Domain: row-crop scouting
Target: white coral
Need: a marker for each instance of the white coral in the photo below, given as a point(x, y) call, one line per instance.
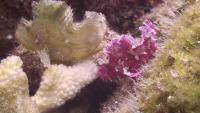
point(14, 94)
point(53, 34)
point(61, 83)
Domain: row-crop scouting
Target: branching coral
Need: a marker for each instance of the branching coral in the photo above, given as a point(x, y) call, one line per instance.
point(61, 83)
point(53, 30)
point(52, 33)
point(14, 94)
point(173, 79)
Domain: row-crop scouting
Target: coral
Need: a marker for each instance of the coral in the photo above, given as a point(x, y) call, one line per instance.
point(126, 55)
point(90, 99)
point(54, 36)
point(14, 94)
point(61, 83)
point(53, 30)
point(172, 80)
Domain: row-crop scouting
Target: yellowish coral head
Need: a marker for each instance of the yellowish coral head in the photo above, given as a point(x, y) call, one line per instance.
point(53, 30)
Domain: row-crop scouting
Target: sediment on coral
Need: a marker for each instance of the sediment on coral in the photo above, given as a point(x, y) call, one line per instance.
point(171, 84)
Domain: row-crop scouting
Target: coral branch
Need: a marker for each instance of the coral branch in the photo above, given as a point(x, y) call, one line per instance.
point(14, 94)
point(61, 83)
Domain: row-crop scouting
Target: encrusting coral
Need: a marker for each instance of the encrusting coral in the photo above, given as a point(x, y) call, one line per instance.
point(172, 82)
point(14, 94)
point(61, 83)
point(54, 31)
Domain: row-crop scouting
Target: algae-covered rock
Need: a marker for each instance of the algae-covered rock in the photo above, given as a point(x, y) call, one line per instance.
point(172, 80)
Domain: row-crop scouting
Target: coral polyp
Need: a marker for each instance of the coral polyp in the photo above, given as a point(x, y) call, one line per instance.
point(54, 31)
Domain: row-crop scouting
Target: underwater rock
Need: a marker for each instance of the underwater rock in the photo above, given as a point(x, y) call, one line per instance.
point(172, 80)
point(120, 14)
point(11, 12)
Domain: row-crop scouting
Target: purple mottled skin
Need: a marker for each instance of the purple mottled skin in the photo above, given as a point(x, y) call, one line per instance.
point(125, 55)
